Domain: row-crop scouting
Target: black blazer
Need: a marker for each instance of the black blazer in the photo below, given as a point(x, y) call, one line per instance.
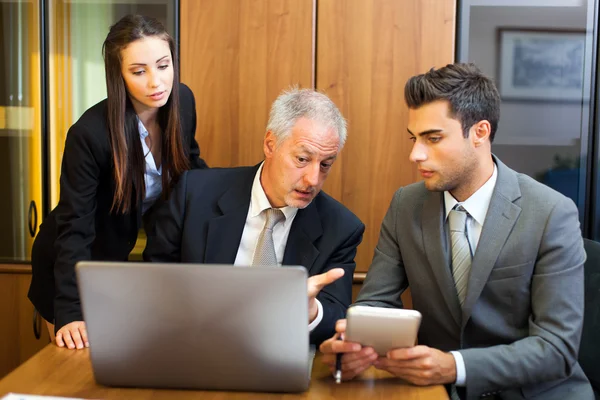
point(81, 227)
point(205, 216)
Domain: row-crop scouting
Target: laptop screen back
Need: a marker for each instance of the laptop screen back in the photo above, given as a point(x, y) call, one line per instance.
point(196, 326)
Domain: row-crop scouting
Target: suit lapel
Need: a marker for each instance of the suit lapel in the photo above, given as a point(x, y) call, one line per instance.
point(225, 231)
point(434, 241)
point(500, 219)
point(305, 229)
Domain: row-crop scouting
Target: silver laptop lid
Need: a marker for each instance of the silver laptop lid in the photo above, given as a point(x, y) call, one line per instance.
point(196, 326)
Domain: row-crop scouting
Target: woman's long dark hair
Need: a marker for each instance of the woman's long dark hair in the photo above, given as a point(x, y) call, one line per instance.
point(124, 136)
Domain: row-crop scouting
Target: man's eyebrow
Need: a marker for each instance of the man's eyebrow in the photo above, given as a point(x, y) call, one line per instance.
point(427, 132)
point(304, 149)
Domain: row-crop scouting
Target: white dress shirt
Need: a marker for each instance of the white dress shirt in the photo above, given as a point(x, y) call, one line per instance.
point(477, 207)
point(152, 175)
point(255, 222)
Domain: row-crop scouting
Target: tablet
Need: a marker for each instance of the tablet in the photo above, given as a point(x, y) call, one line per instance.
point(382, 328)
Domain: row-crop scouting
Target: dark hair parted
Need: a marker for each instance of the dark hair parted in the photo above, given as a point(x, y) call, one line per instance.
point(124, 136)
point(472, 96)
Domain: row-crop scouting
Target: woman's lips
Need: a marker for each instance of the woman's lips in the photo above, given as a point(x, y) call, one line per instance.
point(157, 96)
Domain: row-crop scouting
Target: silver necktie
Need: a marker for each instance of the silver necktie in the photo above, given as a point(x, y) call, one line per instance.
point(264, 254)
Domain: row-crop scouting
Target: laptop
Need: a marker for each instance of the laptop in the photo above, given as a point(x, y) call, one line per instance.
point(194, 326)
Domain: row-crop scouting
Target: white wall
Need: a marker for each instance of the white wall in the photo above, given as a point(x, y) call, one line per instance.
point(526, 123)
point(530, 134)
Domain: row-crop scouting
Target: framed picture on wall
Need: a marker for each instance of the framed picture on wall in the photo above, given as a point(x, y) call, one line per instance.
point(540, 64)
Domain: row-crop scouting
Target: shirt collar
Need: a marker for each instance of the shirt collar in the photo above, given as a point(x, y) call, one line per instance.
point(477, 205)
point(142, 129)
point(259, 201)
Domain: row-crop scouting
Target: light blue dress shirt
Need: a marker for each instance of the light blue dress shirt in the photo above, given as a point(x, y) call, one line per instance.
point(152, 175)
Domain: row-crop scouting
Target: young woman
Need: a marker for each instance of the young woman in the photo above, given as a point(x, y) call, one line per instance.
point(122, 155)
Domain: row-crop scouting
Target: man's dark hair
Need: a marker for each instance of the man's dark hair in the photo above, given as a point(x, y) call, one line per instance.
point(473, 97)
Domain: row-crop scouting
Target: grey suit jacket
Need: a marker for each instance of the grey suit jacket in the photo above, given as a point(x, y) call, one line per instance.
point(520, 326)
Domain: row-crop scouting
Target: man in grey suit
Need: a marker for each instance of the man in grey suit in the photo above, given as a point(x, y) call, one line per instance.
point(493, 258)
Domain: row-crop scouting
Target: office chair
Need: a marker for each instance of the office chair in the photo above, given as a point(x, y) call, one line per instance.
point(589, 351)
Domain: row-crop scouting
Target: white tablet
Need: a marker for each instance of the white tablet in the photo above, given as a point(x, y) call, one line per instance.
point(382, 328)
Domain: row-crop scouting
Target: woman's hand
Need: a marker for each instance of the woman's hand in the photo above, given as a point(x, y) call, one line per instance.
point(73, 335)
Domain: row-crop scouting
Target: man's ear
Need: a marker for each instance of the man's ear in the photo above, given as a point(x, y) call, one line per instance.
point(481, 132)
point(269, 144)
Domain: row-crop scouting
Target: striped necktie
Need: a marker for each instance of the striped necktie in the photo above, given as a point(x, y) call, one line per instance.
point(461, 250)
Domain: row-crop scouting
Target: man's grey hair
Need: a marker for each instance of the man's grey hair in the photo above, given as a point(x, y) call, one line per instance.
point(295, 103)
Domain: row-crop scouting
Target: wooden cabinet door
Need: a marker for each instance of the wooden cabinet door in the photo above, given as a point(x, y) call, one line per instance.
point(237, 56)
point(366, 50)
point(17, 340)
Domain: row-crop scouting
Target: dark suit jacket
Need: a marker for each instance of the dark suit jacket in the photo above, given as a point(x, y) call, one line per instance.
point(519, 328)
point(81, 227)
point(204, 219)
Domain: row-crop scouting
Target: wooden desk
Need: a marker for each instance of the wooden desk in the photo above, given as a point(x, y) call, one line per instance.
point(62, 372)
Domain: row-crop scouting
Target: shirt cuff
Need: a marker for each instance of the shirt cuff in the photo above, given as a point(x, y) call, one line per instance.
point(319, 317)
point(461, 372)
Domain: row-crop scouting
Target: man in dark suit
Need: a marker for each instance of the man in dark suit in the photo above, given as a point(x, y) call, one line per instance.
point(493, 258)
point(274, 213)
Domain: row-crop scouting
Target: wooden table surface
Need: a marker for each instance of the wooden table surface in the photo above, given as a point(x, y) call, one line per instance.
point(61, 372)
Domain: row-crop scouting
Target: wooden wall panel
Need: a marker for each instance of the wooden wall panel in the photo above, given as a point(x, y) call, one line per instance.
point(366, 50)
point(17, 341)
point(237, 56)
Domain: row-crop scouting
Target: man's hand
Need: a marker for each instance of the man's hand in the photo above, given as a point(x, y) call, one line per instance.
point(420, 365)
point(73, 335)
point(315, 284)
point(356, 358)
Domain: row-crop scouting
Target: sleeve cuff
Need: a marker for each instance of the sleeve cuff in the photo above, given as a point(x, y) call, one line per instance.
point(319, 317)
point(461, 373)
